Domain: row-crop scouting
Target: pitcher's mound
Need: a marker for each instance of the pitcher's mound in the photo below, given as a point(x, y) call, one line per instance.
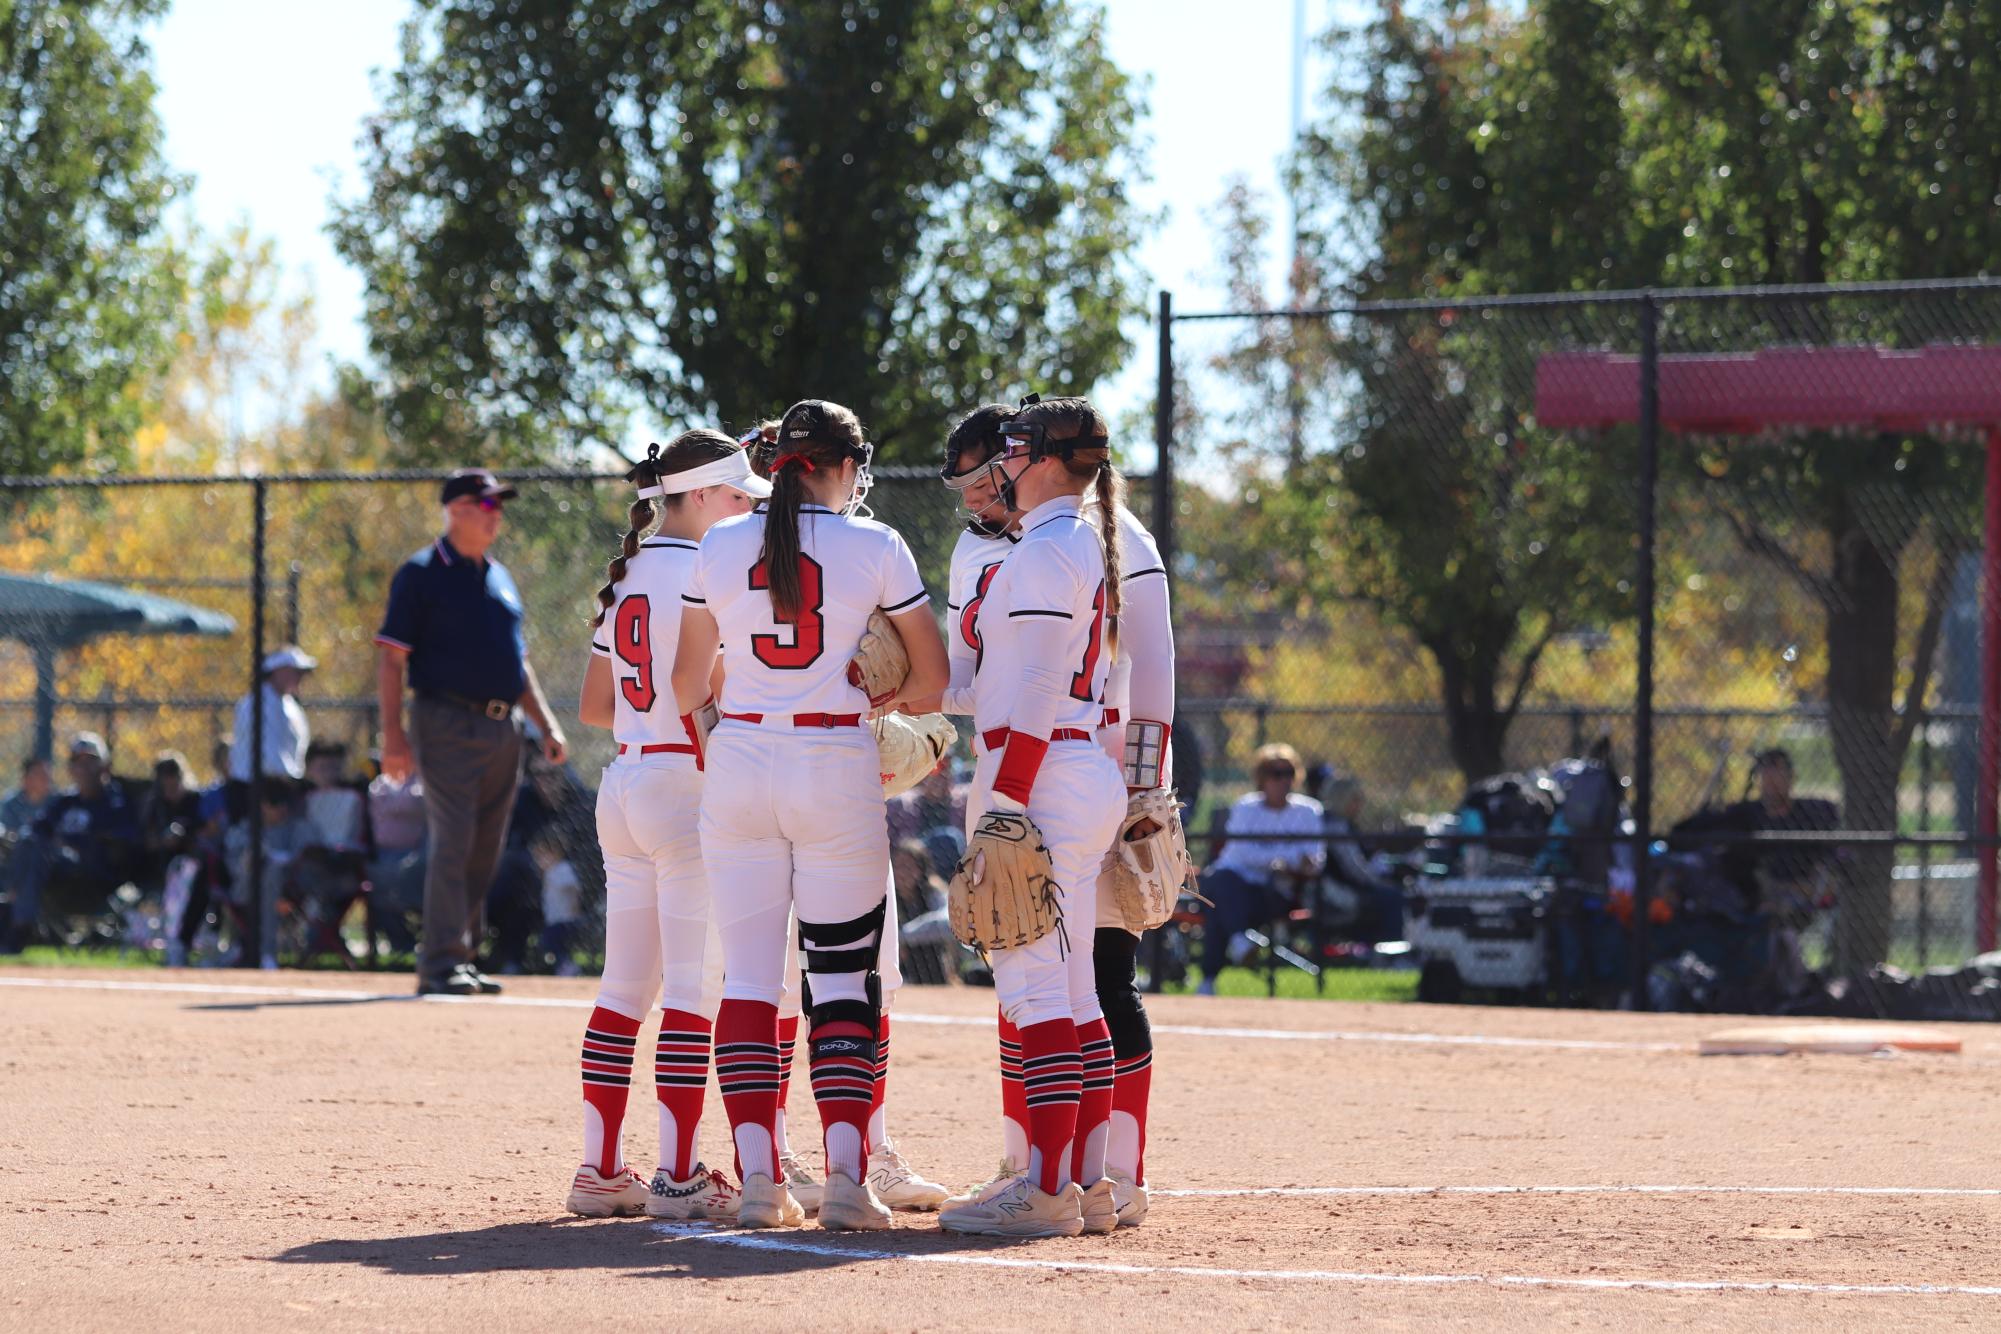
point(1828, 1039)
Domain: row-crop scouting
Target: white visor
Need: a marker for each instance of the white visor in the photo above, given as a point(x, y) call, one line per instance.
point(733, 471)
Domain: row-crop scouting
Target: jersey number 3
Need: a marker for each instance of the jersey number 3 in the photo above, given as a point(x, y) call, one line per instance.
point(632, 640)
point(808, 629)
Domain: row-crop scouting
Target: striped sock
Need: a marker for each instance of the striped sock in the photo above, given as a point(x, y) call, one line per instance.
point(1094, 1109)
point(1052, 1078)
point(841, 1061)
point(788, 1039)
point(609, 1041)
point(878, 1121)
point(1127, 1147)
point(680, 1082)
point(1014, 1103)
point(747, 1073)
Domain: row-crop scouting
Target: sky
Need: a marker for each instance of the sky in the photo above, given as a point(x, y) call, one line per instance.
point(263, 102)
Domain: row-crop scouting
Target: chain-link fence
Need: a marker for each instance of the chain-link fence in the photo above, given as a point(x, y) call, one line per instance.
point(1726, 547)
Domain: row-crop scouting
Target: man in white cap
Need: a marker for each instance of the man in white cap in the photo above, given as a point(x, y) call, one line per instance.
point(286, 734)
point(84, 845)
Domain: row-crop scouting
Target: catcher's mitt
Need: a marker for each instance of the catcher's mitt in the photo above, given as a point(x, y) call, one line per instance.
point(911, 748)
point(1148, 867)
point(1003, 895)
point(880, 663)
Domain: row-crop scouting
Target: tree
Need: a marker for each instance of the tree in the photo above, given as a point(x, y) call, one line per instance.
point(88, 284)
point(1468, 152)
point(583, 213)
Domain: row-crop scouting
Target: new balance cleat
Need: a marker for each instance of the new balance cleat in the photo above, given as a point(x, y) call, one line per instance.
point(1003, 1174)
point(805, 1187)
point(620, 1194)
point(897, 1186)
point(1131, 1197)
point(850, 1206)
point(1018, 1209)
point(706, 1194)
point(1100, 1209)
point(766, 1203)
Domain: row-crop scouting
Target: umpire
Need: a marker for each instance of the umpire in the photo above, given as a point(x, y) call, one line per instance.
point(454, 623)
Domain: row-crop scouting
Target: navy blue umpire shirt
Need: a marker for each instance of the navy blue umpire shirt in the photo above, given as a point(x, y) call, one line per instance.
point(460, 622)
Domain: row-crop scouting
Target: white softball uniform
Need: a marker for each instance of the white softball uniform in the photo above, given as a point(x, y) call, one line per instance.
point(1037, 691)
point(792, 809)
point(658, 929)
point(1140, 690)
point(975, 560)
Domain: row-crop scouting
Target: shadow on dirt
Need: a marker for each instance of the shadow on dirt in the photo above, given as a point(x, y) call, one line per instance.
point(301, 1002)
point(682, 1250)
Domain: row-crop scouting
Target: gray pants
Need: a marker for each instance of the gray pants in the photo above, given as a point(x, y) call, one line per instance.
point(471, 767)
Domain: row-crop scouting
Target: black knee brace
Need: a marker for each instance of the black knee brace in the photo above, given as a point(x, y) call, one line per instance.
point(1113, 951)
point(843, 947)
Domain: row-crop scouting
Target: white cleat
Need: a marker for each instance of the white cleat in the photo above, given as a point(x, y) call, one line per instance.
point(1019, 1208)
point(897, 1186)
point(1131, 1197)
point(620, 1194)
point(805, 1187)
point(766, 1203)
point(1100, 1210)
point(707, 1194)
point(1003, 1174)
point(850, 1206)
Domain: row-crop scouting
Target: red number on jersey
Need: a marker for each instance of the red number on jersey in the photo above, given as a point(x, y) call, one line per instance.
point(808, 630)
point(1080, 684)
point(632, 640)
point(969, 618)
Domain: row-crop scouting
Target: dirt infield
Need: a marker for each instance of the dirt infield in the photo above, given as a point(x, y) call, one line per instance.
point(247, 1152)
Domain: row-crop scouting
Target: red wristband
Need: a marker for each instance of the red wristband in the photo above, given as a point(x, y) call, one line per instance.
point(1019, 763)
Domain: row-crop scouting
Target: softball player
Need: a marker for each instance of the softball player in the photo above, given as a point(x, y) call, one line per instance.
point(892, 1179)
point(792, 814)
point(1043, 630)
point(657, 898)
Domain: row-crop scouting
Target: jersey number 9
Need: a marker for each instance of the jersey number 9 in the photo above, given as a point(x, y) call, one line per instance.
point(632, 640)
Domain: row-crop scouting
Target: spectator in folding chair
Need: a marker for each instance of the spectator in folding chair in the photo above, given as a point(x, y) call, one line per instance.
point(333, 865)
point(1269, 833)
point(1364, 906)
point(84, 845)
point(24, 805)
point(285, 837)
point(397, 829)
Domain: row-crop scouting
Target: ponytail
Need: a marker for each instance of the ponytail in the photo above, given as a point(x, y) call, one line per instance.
point(639, 518)
point(813, 434)
point(1111, 494)
point(781, 540)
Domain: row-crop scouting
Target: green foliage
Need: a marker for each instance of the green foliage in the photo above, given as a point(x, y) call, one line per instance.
point(588, 213)
point(87, 283)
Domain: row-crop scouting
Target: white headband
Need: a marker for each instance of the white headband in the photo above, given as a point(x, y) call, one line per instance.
point(731, 470)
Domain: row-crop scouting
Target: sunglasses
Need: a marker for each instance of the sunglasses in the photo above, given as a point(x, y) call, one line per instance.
point(491, 504)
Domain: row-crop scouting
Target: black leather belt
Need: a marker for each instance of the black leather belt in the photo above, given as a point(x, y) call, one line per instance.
point(497, 709)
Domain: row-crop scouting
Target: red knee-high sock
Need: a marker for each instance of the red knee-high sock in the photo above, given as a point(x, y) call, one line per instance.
point(1094, 1108)
point(1129, 1093)
point(1014, 1102)
point(841, 1062)
point(878, 1130)
point(680, 1081)
point(609, 1041)
point(788, 1039)
point(1052, 1077)
point(747, 1069)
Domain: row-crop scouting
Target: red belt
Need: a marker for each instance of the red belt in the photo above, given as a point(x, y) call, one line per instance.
point(804, 719)
point(997, 738)
point(662, 749)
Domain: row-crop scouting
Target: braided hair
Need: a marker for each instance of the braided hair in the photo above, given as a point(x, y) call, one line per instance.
point(690, 449)
point(813, 434)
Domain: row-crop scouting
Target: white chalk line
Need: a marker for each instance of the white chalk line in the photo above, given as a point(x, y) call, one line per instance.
point(1248, 1192)
point(764, 1242)
point(901, 1016)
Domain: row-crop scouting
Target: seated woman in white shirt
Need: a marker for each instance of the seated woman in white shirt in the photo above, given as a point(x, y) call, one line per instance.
point(1238, 883)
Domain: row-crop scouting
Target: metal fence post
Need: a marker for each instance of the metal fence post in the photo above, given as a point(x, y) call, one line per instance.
point(267, 898)
point(1643, 691)
point(1990, 701)
point(1163, 439)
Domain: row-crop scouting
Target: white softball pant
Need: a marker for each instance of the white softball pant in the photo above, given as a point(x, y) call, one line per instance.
point(658, 933)
point(792, 820)
point(1078, 802)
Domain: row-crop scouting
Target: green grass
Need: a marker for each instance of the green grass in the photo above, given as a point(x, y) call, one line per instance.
point(1342, 984)
point(61, 956)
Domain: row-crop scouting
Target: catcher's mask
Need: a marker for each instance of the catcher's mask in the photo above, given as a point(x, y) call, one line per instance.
point(1030, 440)
point(991, 520)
